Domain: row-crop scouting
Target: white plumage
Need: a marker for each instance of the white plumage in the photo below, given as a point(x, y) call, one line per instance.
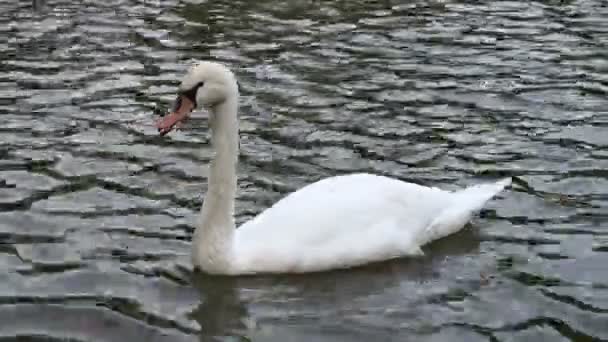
point(337, 222)
point(352, 220)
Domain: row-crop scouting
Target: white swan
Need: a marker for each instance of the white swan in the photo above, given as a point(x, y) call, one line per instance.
point(337, 222)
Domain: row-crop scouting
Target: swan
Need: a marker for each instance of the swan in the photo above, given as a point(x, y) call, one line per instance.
point(338, 222)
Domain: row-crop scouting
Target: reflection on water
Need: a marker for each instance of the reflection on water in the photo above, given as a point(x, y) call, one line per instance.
point(97, 211)
point(319, 305)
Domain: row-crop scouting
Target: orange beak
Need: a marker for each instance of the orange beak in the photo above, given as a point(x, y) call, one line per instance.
point(181, 110)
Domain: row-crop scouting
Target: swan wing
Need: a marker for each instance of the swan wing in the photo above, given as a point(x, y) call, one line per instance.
point(349, 220)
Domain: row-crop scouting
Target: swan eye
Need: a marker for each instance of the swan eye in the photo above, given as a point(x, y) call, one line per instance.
point(191, 93)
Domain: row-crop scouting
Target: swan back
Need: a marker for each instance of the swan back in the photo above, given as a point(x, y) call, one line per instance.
point(354, 219)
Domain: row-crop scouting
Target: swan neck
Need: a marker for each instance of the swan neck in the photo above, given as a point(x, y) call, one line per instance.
point(213, 239)
point(225, 142)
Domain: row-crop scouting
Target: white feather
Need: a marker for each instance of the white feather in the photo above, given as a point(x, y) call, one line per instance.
point(337, 222)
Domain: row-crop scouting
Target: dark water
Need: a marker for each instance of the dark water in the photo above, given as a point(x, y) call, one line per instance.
point(97, 211)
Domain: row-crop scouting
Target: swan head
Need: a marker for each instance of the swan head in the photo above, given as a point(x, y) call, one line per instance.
point(205, 85)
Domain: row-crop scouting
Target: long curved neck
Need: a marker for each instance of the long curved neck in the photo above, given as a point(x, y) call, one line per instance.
point(222, 176)
point(214, 236)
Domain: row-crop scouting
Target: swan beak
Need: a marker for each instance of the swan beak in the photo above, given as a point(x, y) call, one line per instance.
point(181, 110)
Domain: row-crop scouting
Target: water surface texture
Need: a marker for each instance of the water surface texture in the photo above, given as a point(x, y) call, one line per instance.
point(97, 211)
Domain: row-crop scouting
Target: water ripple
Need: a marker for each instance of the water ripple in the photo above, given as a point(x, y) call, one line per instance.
point(97, 212)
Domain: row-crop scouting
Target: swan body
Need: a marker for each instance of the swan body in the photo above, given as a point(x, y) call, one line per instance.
point(351, 220)
point(337, 222)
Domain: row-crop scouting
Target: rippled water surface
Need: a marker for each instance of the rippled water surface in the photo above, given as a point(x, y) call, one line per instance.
point(97, 211)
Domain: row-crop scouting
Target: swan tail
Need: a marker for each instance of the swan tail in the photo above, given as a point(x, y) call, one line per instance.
point(476, 196)
point(465, 204)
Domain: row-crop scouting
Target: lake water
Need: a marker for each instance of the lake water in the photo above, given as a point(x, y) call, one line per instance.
point(97, 211)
